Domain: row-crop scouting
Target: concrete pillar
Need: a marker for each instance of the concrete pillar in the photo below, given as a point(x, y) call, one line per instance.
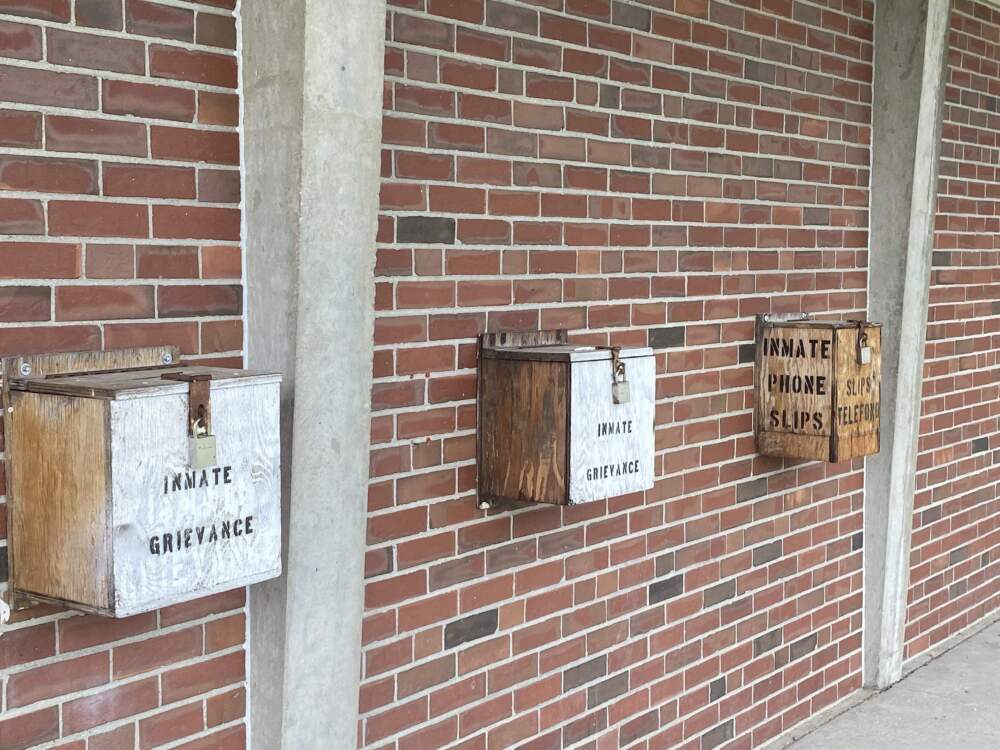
point(910, 57)
point(312, 127)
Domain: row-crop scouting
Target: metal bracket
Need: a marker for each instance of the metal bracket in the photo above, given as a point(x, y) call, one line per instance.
point(55, 365)
point(199, 400)
point(783, 317)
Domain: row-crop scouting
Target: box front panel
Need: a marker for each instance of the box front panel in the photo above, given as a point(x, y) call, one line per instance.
point(794, 391)
point(181, 533)
point(611, 445)
point(859, 393)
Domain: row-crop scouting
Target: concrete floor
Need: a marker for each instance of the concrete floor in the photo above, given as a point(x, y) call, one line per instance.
point(951, 703)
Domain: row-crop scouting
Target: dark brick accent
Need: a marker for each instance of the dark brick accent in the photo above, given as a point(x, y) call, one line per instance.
point(471, 628)
point(750, 490)
point(623, 14)
point(748, 353)
point(717, 689)
point(940, 258)
point(980, 444)
point(802, 646)
point(930, 515)
point(664, 338)
point(4, 568)
point(611, 96)
point(767, 552)
point(715, 737)
point(720, 593)
point(581, 728)
point(957, 555)
point(756, 70)
point(958, 589)
point(857, 541)
point(434, 230)
point(561, 542)
point(767, 642)
point(604, 691)
point(510, 555)
point(584, 673)
point(639, 726)
point(666, 589)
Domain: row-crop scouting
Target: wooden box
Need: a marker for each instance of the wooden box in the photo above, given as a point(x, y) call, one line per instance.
point(818, 389)
point(550, 430)
point(108, 514)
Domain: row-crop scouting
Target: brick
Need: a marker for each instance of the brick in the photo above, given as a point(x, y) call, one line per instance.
point(104, 302)
point(20, 129)
point(29, 730)
point(166, 261)
point(157, 20)
point(470, 628)
point(221, 262)
point(148, 100)
point(216, 31)
point(426, 230)
point(39, 260)
point(187, 301)
point(37, 174)
point(60, 678)
point(26, 644)
point(196, 222)
point(94, 136)
point(222, 336)
point(225, 707)
point(194, 66)
point(667, 588)
point(148, 181)
point(109, 705)
point(110, 261)
point(219, 186)
point(232, 738)
point(94, 219)
point(38, 339)
point(185, 682)
point(25, 303)
point(146, 655)
point(225, 633)
point(99, 14)
point(208, 605)
point(19, 216)
point(170, 726)
point(96, 52)
point(56, 89)
point(122, 738)
point(187, 144)
point(21, 41)
point(47, 10)
point(127, 335)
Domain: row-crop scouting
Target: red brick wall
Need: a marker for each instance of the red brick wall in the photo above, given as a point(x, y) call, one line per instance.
point(640, 172)
point(120, 226)
point(955, 560)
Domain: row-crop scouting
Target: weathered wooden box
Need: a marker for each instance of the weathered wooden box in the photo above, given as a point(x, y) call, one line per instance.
point(818, 389)
point(109, 514)
point(550, 430)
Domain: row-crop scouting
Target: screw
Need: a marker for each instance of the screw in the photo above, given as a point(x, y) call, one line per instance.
point(25, 369)
point(167, 358)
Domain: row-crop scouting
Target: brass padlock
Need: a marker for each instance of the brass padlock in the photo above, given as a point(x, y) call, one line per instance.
point(201, 448)
point(620, 391)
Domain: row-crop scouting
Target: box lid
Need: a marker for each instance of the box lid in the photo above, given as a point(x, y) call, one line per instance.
point(832, 324)
point(564, 353)
point(144, 383)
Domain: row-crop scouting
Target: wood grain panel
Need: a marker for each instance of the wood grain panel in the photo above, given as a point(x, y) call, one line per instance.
point(60, 542)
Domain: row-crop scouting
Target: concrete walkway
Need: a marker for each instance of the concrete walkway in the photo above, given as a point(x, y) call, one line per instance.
point(951, 703)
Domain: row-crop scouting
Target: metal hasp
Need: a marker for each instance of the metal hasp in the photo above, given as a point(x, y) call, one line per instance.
point(203, 449)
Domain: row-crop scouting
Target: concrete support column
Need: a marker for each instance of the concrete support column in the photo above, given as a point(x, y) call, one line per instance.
point(910, 56)
point(312, 130)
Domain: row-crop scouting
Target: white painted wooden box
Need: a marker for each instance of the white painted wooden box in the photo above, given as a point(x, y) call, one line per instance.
point(111, 517)
point(550, 429)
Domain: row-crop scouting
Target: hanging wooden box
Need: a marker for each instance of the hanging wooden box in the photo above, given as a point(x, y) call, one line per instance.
point(818, 389)
point(109, 515)
point(549, 430)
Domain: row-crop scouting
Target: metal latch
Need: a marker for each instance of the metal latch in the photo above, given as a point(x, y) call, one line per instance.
point(864, 352)
point(620, 391)
point(201, 441)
